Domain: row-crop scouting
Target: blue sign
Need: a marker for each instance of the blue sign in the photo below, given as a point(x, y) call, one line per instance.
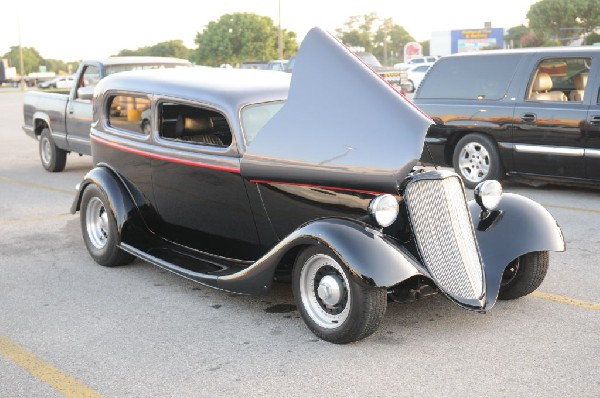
point(466, 40)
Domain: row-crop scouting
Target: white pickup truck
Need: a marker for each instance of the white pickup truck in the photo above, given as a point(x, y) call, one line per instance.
point(61, 122)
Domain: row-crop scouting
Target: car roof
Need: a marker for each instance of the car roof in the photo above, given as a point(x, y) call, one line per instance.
point(224, 87)
point(531, 50)
point(144, 60)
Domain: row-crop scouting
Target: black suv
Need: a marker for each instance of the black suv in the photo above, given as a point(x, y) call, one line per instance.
point(532, 113)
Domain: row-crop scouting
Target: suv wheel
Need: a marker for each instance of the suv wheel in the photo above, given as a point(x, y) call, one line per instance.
point(476, 159)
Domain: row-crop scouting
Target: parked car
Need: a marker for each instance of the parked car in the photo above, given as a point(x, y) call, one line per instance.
point(416, 74)
point(530, 113)
point(397, 79)
point(61, 122)
point(430, 59)
point(58, 82)
point(244, 179)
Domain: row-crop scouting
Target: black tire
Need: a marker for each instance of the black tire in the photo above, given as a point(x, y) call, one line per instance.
point(412, 87)
point(357, 311)
point(146, 129)
point(476, 159)
point(99, 229)
point(53, 158)
point(523, 275)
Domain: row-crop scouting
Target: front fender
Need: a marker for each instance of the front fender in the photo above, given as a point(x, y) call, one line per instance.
point(518, 226)
point(369, 256)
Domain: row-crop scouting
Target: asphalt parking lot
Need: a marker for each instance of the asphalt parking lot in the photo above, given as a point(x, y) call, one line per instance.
point(70, 326)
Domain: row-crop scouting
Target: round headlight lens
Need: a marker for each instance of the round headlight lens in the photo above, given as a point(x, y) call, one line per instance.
point(384, 209)
point(488, 194)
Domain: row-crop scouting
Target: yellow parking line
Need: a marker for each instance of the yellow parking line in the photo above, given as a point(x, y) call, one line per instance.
point(566, 300)
point(572, 208)
point(41, 369)
point(33, 219)
point(35, 185)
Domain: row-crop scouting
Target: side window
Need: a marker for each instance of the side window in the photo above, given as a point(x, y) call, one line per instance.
point(470, 77)
point(192, 124)
point(560, 79)
point(90, 77)
point(129, 113)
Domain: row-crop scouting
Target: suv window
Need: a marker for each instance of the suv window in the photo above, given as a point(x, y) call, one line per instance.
point(470, 77)
point(192, 124)
point(129, 113)
point(560, 79)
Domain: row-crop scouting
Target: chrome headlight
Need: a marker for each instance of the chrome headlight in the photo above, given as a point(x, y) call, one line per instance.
point(384, 209)
point(488, 194)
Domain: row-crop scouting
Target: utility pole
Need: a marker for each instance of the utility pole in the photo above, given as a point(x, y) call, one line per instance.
point(21, 64)
point(279, 37)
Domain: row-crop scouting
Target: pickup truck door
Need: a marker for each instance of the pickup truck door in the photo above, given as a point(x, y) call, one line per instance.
point(79, 112)
point(550, 120)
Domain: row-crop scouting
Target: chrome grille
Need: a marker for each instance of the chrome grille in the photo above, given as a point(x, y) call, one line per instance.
point(444, 234)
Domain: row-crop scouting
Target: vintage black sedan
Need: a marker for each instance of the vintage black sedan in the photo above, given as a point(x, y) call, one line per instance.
point(246, 177)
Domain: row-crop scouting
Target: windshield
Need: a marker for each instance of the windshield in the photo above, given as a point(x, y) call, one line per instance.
point(110, 69)
point(254, 117)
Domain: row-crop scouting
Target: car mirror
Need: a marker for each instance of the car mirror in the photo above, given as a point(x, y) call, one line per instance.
point(85, 93)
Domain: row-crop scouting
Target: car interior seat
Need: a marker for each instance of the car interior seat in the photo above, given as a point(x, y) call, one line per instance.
point(542, 89)
point(580, 81)
point(197, 129)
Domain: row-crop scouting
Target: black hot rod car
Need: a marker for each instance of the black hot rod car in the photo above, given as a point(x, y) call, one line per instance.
point(244, 177)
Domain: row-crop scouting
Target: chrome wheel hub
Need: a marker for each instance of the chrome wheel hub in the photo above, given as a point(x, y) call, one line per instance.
point(96, 222)
point(46, 151)
point(324, 291)
point(474, 162)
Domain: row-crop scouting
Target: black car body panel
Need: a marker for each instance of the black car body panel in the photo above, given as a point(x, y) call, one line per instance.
point(203, 195)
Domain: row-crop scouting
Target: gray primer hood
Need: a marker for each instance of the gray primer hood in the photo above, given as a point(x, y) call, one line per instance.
point(342, 125)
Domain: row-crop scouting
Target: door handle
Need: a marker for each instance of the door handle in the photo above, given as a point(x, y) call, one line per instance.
point(595, 120)
point(528, 117)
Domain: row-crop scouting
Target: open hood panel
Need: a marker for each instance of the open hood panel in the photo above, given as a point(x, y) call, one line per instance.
point(342, 125)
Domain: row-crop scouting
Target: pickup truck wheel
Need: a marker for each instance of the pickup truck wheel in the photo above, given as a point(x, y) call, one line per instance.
point(334, 306)
point(523, 275)
point(99, 229)
point(476, 159)
point(53, 158)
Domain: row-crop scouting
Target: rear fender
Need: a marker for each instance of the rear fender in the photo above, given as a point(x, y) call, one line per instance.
point(119, 198)
point(518, 226)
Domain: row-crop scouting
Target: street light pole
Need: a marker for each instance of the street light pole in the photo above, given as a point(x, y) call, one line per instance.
point(279, 37)
point(21, 64)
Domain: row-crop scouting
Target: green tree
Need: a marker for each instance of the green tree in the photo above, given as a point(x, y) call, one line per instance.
point(359, 31)
point(587, 14)
point(171, 48)
point(592, 38)
point(553, 19)
point(394, 35)
point(513, 35)
point(239, 37)
point(426, 47)
point(31, 58)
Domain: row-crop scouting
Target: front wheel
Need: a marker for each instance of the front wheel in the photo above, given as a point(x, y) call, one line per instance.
point(523, 275)
point(334, 306)
point(99, 229)
point(476, 159)
point(53, 158)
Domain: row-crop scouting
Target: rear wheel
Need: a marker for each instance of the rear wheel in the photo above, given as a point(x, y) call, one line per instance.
point(99, 229)
point(476, 159)
point(53, 158)
point(335, 307)
point(523, 275)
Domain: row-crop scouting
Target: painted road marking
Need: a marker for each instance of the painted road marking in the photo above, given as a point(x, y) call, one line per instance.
point(35, 185)
point(566, 300)
point(47, 373)
point(34, 219)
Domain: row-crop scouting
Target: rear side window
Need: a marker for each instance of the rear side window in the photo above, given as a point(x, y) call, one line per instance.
point(470, 77)
point(129, 113)
point(193, 124)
